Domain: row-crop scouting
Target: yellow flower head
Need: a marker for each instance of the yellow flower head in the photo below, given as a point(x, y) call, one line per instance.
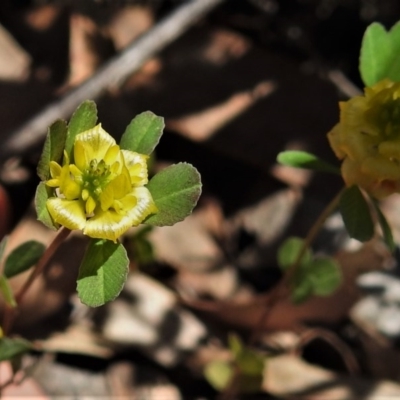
point(367, 138)
point(103, 192)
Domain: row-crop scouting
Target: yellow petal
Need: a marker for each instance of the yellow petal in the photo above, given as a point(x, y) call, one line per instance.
point(144, 207)
point(106, 198)
point(75, 171)
point(71, 189)
point(90, 205)
point(381, 168)
point(390, 149)
point(335, 141)
point(113, 155)
point(55, 169)
point(95, 143)
point(85, 194)
point(81, 156)
point(106, 225)
point(68, 213)
point(53, 183)
point(120, 186)
point(137, 167)
point(111, 225)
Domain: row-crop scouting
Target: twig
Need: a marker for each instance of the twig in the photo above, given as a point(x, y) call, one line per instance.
point(111, 74)
point(341, 347)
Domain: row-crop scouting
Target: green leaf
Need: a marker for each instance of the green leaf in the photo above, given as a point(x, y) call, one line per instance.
point(7, 292)
point(356, 214)
point(10, 348)
point(43, 192)
point(53, 148)
point(250, 362)
point(251, 367)
point(103, 272)
point(302, 288)
point(375, 53)
point(23, 257)
point(325, 275)
point(218, 374)
point(175, 191)
point(143, 133)
point(3, 245)
point(393, 71)
point(386, 230)
point(235, 344)
point(302, 159)
point(84, 118)
point(289, 251)
point(380, 54)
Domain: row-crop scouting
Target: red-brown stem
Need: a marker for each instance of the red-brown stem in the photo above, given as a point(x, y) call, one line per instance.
point(10, 313)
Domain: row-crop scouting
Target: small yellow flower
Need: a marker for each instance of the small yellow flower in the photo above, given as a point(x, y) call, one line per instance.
point(103, 192)
point(367, 138)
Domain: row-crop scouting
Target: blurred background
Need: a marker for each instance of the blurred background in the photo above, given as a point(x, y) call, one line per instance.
point(245, 80)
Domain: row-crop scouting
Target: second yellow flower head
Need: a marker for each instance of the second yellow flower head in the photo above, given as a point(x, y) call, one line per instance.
point(367, 138)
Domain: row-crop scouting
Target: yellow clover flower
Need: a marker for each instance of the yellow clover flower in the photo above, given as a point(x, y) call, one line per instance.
point(367, 138)
point(103, 192)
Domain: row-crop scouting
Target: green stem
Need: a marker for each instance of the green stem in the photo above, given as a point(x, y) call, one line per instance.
point(10, 312)
point(313, 232)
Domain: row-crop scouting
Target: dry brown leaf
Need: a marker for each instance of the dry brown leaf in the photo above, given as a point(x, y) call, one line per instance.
point(41, 18)
point(77, 339)
point(204, 124)
point(189, 244)
point(129, 23)
point(83, 58)
point(247, 312)
point(147, 316)
point(224, 46)
point(14, 60)
point(290, 376)
point(28, 388)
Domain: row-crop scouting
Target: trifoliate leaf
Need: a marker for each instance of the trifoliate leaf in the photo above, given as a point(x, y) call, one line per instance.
point(102, 273)
point(23, 257)
point(143, 133)
point(303, 159)
point(356, 214)
point(175, 190)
